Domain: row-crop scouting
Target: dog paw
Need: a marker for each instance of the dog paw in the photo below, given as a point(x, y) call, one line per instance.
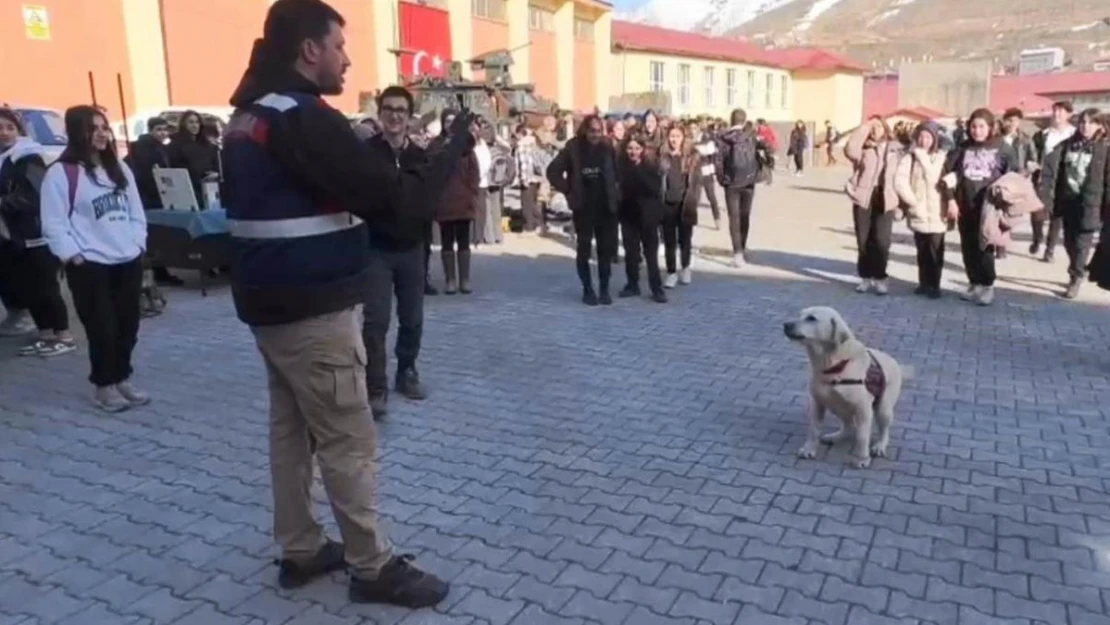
point(859, 463)
point(807, 452)
point(878, 451)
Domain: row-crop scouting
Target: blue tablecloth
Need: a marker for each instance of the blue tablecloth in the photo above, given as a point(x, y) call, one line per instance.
point(197, 224)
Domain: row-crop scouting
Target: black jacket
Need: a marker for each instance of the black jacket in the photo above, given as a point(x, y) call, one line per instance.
point(1082, 207)
point(565, 174)
point(144, 154)
point(20, 181)
point(411, 157)
point(977, 166)
point(199, 157)
point(641, 192)
point(318, 147)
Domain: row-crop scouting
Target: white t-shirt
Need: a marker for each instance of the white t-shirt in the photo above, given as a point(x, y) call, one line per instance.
point(104, 225)
point(485, 161)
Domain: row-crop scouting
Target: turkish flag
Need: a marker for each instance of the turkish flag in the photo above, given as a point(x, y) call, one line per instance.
point(425, 40)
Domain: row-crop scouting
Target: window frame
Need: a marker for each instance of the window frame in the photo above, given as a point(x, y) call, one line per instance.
point(684, 85)
point(730, 87)
point(541, 19)
point(660, 85)
point(751, 89)
point(709, 81)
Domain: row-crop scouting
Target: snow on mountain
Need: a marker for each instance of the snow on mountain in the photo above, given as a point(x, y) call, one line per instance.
point(714, 16)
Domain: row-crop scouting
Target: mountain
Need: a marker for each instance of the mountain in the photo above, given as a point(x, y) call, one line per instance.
point(882, 33)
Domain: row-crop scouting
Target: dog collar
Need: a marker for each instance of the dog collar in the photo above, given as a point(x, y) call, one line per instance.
point(837, 368)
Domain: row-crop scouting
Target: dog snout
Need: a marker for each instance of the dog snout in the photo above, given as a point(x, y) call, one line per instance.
point(790, 329)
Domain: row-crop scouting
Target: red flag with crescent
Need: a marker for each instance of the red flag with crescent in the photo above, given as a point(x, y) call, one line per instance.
point(425, 40)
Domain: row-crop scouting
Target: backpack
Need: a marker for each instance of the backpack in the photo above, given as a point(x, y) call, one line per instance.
point(502, 169)
point(742, 164)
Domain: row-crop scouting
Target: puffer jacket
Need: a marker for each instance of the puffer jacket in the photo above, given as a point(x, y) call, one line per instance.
point(917, 183)
point(459, 201)
point(872, 163)
point(22, 169)
point(1073, 181)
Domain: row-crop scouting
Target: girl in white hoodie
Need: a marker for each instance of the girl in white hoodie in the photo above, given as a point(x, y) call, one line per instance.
point(92, 218)
point(917, 183)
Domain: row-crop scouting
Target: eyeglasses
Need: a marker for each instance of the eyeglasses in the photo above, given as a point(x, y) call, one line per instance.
point(396, 110)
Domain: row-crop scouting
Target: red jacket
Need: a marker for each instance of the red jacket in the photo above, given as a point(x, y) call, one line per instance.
point(768, 136)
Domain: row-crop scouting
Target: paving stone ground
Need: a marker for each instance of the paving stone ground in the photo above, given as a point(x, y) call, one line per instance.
point(626, 465)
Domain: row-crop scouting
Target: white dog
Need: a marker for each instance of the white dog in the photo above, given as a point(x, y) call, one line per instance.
point(857, 384)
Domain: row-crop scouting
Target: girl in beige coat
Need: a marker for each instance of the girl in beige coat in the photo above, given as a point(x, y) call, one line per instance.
point(874, 152)
point(917, 183)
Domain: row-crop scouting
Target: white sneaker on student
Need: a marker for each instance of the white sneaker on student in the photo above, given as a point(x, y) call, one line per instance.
point(972, 294)
point(671, 281)
point(986, 296)
point(881, 287)
point(686, 276)
point(865, 285)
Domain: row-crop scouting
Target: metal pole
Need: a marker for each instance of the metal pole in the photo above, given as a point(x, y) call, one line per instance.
point(92, 87)
point(123, 109)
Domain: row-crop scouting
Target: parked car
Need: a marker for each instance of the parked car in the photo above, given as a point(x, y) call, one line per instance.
point(46, 126)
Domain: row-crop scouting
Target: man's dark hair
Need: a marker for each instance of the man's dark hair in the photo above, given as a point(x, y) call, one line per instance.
point(761, 121)
point(397, 91)
point(155, 122)
point(738, 117)
point(1012, 113)
point(290, 22)
point(1064, 105)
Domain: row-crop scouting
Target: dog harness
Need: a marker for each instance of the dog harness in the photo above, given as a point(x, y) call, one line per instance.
point(874, 380)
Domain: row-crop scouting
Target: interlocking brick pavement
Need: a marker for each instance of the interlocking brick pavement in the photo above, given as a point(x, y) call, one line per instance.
point(631, 464)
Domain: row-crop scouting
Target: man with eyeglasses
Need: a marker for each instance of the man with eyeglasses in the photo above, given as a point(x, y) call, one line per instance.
point(398, 266)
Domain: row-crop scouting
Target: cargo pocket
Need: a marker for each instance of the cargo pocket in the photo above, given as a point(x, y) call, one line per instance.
point(340, 380)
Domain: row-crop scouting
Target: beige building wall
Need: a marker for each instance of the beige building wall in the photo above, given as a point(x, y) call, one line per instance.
point(603, 59)
point(519, 36)
point(564, 53)
point(834, 96)
point(632, 73)
point(146, 54)
point(383, 21)
point(461, 33)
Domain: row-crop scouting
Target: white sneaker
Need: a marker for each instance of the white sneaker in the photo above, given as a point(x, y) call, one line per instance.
point(671, 281)
point(880, 287)
point(686, 276)
point(865, 285)
point(738, 260)
point(17, 324)
point(986, 296)
point(972, 294)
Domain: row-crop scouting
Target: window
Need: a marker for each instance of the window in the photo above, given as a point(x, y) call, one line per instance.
point(770, 88)
point(491, 9)
point(782, 90)
point(658, 77)
point(583, 29)
point(751, 88)
point(730, 87)
point(540, 18)
point(709, 87)
point(684, 85)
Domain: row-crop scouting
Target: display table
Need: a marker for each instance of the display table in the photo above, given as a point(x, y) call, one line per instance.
point(189, 240)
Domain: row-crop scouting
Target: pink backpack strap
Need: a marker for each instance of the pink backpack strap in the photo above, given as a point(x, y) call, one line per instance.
point(72, 171)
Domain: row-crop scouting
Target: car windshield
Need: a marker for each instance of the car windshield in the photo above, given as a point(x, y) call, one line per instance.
point(44, 126)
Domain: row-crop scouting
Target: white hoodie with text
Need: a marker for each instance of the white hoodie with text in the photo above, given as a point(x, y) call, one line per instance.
point(104, 225)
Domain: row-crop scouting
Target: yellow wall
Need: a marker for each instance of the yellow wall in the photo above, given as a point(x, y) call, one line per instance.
point(631, 73)
point(828, 95)
point(143, 25)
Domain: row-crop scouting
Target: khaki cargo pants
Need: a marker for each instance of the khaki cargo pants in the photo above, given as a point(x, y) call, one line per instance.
point(316, 370)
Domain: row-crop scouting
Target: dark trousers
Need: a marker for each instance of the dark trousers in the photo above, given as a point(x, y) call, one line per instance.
point(530, 207)
point(590, 226)
point(676, 236)
point(978, 262)
point(106, 298)
point(641, 242)
point(397, 274)
point(38, 288)
point(427, 250)
point(1038, 220)
point(874, 228)
point(738, 202)
point(10, 296)
point(930, 258)
point(453, 233)
point(1078, 244)
point(799, 161)
point(710, 187)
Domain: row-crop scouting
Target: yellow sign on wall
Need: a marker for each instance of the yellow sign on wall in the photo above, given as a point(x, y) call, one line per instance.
point(36, 22)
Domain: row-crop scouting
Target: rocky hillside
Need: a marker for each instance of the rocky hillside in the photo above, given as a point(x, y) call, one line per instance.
point(882, 32)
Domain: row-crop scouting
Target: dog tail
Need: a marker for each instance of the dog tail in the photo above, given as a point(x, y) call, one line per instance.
point(908, 372)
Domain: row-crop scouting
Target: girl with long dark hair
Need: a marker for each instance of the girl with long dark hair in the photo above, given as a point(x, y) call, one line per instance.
point(679, 165)
point(875, 153)
point(191, 148)
point(93, 221)
point(641, 211)
point(799, 141)
point(971, 169)
point(585, 171)
point(1073, 187)
point(33, 269)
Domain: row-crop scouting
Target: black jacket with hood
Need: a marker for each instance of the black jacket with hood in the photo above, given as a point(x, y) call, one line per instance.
point(565, 174)
point(1073, 181)
point(21, 172)
point(143, 155)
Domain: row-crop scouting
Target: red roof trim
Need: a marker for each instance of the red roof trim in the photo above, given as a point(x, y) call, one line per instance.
point(642, 38)
point(817, 59)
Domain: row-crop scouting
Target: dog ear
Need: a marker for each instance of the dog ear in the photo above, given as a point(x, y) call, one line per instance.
point(840, 333)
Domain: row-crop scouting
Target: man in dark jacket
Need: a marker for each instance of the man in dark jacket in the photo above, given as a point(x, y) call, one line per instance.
point(398, 265)
point(738, 168)
point(143, 156)
point(301, 190)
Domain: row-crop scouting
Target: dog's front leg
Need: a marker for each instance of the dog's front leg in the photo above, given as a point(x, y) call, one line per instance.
point(861, 449)
point(816, 421)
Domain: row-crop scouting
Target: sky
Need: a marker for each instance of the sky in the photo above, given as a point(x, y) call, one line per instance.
point(625, 5)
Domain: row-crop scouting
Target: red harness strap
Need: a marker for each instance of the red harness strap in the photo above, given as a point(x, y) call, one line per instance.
point(874, 380)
